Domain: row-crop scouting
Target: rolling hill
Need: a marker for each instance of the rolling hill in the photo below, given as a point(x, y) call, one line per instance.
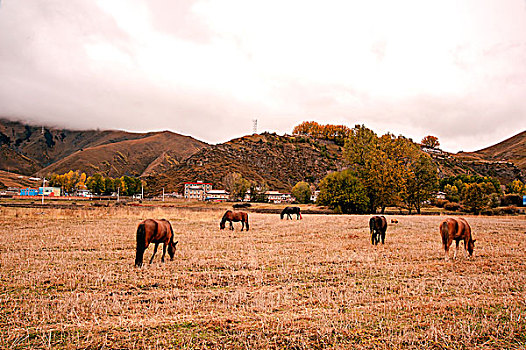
point(28, 150)
point(511, 150)
point(134, 157)
point(279, 161)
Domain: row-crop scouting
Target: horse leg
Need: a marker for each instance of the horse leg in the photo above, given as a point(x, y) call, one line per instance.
point(447, 244)
point(164, 251)
point(231, 226)
point(456, 249)
point(242, 225)
point(383, 236)
point(154, 251)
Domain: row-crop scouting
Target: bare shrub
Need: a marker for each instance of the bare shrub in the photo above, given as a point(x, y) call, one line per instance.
point(452, 206)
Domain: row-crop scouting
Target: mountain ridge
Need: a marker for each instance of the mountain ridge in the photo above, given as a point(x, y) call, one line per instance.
point(166, 159)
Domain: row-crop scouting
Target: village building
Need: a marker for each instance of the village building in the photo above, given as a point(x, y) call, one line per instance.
point(217, 195)
point(278, 197)
point(46, 191)
point(49, 191)
point(196, 190)
point(28, 192)
point(441, 195)
point(314, 196)
point(83, 193)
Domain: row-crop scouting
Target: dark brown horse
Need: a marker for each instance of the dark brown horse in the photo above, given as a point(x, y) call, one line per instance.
point(291, 210)
point(457, 230)
point(378, 226)
point(234, 216)
point(154, 231)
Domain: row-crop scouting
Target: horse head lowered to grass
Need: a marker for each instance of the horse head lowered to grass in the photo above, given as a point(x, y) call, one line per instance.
point(456, 230)
point(154, 231)
point(290, 211)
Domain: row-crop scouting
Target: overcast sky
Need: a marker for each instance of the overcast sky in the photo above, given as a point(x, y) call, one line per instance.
point(449, 68)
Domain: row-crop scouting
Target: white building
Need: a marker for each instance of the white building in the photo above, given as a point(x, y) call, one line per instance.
point(314, 196)
point(196, 190)
point(83, 193)
point(278, 197)
point(217, 195)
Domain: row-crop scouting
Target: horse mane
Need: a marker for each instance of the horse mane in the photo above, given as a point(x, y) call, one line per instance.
point(223, 219)
point(171, 231)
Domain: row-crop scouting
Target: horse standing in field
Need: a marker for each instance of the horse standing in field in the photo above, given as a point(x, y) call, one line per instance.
point(291, 210)
point(378, 226)
point(234, 216)
point(154, 231)
point(457, 230)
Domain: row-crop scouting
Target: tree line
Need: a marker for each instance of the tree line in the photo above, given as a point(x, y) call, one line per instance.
point(382, 171)
point(476, 193)
point(336, 133)
point(96, 184)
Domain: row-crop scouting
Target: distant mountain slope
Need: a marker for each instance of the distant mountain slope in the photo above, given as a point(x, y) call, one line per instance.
point(42, 146)
point(510, 150)
point(505, 161)
point(28, 149)
point(280, 161)
point(130, 157)
point(9, 179)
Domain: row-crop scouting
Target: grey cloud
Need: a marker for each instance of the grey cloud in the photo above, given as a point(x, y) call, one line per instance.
point(176, 18)
point(47, 77)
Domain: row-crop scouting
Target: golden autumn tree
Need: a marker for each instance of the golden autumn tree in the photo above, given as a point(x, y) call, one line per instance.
point(390, 168)
point(430, 141)
point(69, 181)
point(420, 182)
point(336, 133)
point(363, 153)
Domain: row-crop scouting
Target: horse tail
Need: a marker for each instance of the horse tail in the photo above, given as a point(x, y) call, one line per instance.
point(246, 218)
point(141, 243)
point(371, 229)
point(444, 231)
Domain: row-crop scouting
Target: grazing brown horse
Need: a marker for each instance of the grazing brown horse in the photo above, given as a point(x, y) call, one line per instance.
point(154, 231)
point(378, 226)
point(458, 230)
point(234, 216)
point(291, 210)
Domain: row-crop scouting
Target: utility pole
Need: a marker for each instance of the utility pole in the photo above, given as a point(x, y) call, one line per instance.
point(254, 126)
point(142, 191)
point(163, 194)
point(43, 185)
point(118, 191)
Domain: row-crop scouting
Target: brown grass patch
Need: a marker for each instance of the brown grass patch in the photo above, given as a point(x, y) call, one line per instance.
point(68, 281)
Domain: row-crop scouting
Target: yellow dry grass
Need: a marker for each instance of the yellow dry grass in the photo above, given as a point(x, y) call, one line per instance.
point(68, 281)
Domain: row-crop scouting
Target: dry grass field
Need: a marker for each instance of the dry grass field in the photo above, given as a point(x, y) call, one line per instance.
point(68, 281)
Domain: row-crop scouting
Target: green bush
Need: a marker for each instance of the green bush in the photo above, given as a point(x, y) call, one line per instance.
point(343, 192)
